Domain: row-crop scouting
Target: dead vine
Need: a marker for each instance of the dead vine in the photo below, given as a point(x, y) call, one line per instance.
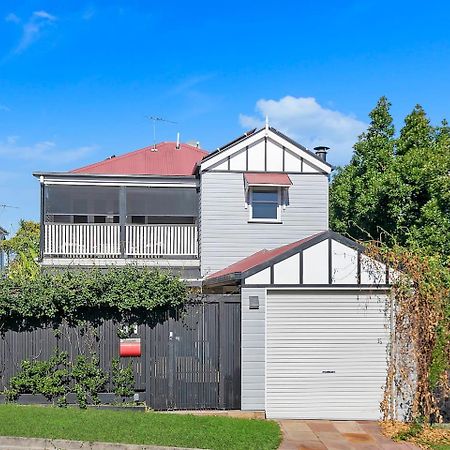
point(419, 351)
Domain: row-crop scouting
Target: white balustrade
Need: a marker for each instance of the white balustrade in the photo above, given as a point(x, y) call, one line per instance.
point(103, 240)
point(149, 241)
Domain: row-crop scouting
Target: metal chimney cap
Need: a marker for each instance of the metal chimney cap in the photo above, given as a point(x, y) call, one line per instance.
point(321, 152)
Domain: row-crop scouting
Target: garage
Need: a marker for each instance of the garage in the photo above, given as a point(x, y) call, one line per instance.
point(326, 354)
point(315, 329)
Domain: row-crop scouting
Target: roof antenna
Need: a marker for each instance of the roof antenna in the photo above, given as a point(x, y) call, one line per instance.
point(178, 141)
point(154, 120)
point(8, 206)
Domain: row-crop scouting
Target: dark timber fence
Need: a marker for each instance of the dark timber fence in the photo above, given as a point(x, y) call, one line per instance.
point(190, 358)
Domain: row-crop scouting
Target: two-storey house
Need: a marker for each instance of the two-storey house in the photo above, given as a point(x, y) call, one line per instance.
point(250, 218)
point(177, 206)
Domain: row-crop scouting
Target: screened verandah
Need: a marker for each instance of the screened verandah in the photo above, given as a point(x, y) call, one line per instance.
point(119, 222)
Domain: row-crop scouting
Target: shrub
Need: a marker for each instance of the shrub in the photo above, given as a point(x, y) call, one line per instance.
point(89, 379)
point(122, 379)
point(49, 378)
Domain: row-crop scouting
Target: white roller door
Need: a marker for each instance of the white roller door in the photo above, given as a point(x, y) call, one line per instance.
point(326, 354)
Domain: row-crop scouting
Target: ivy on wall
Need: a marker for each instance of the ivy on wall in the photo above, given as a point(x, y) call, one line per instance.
point(76, 296)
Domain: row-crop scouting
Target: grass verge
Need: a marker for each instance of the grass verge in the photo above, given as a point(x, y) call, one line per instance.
point(178, 430)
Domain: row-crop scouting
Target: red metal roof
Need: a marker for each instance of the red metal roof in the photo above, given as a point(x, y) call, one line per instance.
point(272, 179)
point(259, 258)
point(166, 160)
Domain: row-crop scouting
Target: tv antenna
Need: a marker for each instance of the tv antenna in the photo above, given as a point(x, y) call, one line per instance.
point(154, 120)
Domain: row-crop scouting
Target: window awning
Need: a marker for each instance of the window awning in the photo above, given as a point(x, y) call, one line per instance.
point(267, 179)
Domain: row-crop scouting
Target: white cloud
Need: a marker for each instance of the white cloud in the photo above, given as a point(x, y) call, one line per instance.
point(188, 84)
point(305, 120)
point(4, 108)
point(11, 17)
point(43, 151)
point(88, 13)
point(44, 15)
point(31, 29)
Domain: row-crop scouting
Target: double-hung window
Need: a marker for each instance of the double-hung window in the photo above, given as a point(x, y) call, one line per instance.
point(265, 204)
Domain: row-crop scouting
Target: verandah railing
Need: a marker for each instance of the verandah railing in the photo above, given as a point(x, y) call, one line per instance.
point(104, 240)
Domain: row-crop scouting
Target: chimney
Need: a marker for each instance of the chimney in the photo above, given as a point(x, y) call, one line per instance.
point(178, 141)
point(321, 152)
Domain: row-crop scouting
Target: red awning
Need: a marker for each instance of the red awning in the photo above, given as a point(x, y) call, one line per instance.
point(267, 179)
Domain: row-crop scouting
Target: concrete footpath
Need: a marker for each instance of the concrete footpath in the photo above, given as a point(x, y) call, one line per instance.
point(18, 443)
point(335, 435)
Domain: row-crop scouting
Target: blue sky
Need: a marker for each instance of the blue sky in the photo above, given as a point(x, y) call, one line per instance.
point(77, 79)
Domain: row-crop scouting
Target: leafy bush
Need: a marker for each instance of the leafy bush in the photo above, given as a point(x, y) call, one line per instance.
point(49, 378)
point(122, 379)
point(49, 297)
point(89, 379)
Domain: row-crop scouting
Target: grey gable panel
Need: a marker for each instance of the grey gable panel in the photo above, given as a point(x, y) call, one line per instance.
point(226, 234)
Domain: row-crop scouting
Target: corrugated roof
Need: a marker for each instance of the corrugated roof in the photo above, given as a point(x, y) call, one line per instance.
point(271, 179)
point(166, 160)
point(258, 258)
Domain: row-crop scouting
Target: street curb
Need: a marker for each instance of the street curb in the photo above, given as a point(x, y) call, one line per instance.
point(19, 443)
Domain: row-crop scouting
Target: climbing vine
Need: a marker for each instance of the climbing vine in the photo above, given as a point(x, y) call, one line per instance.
point(419, 356)
point(76, 295)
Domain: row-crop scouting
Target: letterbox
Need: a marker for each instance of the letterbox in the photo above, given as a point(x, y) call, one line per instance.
point(130, 347)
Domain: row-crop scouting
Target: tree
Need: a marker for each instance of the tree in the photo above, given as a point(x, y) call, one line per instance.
point(22, 251)
point(397, 185)
point(359, 191)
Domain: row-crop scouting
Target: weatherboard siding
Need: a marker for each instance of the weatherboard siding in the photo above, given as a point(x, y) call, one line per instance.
point(227, 236)
point(253, 351)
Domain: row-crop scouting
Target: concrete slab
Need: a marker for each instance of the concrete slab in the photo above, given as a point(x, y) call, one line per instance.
point(336, 435)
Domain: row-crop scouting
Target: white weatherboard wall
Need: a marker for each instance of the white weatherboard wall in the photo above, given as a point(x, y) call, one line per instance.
point(226, 233)
point(326, 354)
point(252, 351)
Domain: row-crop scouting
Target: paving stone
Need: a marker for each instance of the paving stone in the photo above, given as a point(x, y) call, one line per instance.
point(362, 438)
point(312, 445)
point(321, 425)
point(348, 427)
point(300, 436)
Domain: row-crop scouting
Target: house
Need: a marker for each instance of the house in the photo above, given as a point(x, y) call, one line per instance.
point(3, 234)
point(251, 219)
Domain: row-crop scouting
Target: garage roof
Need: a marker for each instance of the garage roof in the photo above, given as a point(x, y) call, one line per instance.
point(261, 258)
point(325, 258)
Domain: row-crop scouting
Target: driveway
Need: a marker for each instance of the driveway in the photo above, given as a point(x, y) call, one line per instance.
point(336, 435)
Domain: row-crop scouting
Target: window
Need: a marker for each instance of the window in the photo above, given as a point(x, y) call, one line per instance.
point(265, 204)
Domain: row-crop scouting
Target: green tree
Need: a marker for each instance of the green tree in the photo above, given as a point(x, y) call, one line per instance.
point(398, 185)
point(22, 250)
point(360, 190)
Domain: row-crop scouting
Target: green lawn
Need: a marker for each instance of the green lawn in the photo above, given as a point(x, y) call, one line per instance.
point(179, 430)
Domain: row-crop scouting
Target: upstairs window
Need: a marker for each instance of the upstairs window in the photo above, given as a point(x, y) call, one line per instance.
point(265, 204)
